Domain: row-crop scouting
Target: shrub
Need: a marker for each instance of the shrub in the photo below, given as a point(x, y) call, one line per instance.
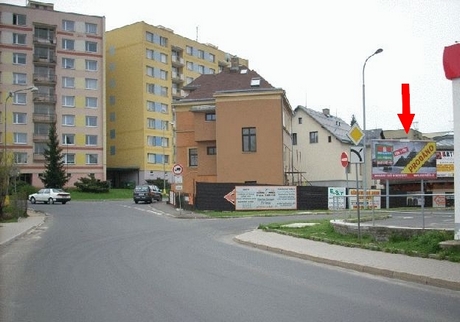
point(91, 184)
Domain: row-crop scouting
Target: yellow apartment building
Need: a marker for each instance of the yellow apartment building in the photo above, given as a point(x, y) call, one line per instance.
point(147, 68)
point(52, 70)
point(233, 127)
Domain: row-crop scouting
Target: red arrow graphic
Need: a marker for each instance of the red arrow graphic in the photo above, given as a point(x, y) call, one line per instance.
point(406, 117)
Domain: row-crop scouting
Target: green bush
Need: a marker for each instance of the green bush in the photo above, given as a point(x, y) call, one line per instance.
point(91, 184)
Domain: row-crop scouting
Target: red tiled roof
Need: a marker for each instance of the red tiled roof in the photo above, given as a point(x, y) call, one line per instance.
point(205, 86)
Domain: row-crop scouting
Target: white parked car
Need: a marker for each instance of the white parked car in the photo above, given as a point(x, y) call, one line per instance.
point(50, 195)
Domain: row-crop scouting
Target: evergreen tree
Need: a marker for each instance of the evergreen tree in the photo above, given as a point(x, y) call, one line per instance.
point(55, 175)
point(353, 120)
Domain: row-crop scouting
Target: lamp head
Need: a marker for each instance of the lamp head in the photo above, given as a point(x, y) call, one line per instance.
point(378, 51)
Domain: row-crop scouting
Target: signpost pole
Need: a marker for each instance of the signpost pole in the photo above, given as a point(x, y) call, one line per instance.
point(357, 202)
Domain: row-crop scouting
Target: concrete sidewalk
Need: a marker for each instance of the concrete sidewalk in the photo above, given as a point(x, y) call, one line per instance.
point(427, 271)
point(11, 231)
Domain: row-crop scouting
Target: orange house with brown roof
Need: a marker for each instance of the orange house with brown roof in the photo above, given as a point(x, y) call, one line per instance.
point(233, 127)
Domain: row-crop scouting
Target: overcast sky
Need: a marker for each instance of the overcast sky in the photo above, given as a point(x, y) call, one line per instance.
point(315, 50)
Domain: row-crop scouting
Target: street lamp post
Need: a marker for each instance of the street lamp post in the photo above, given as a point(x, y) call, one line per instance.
point(164, 157)
point(10, 94)
point(378, 51)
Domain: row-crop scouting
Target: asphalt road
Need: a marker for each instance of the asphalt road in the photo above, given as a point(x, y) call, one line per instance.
point(117, 261)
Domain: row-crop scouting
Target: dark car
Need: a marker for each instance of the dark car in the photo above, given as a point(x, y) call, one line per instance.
point(156, 192)
point(146, 193)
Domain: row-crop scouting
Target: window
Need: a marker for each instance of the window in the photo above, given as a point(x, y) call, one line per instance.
point(201, 69)
point(91, 102)
point(212, 150)
point(90, 28)
point(20, 98)
point(189, 50)
point(91, 46)
point(68, 120)
point(300, 120)
point(68, 25)
point(91, 65)
point(19, 39)
point(314, 137)
point(249, 139)
point(69, 158)
point(150, 71)
point(20, 157)
point(68, 44)
point(20, 138)
point(39, 148)
point(189, 65)
point(150, 54)
point(112, 150)
point(212, 58)
point(91, 139)
point(294, 138)
point(210, 116)
point(329, 139)
point(91, 121)
point(193, 157)
point(163, 41)
point(19, 59)
point(149, 36)
point(212, 71)
point(68, 63)
point(112, 134)
point(164, 58)
point(155, 141)
point(91, 83)
point(68, 101)
point(20, 118)
point(68, 139)
point(151, 88)
point(19, 20)
point(68, 82)
point(151, 123)
point(163, 74)
point(164, 91)
point(91, 159)
point(200, 54)
point(19, 78)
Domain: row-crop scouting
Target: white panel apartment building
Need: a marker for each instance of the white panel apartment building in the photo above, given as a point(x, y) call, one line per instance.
point(53, 63)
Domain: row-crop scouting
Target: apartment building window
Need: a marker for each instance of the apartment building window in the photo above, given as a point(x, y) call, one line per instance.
point(19, 59)
point(163, 41)
point(149, 37)
point(91, 158)
point(20, 99)
point(19, 39)
point(19, 20)
point(155, 141)
point(164, 58)
point(91, 121)
point(249, 139)
point(91, 83)
point(150, 54)
point(68, 82)
point(314, 137)
point(163, 74)
point(212, 150)
point(189, 50)
point(193, 157)
point(112, 117)
point(19, 79)
point(200, 54)
point(20, 138)
point(91, 28)
point(212, 71)
point(68, 63)
point(210, 116)
point(150, 71)
point(91, 65)
point(91, 102)
point(68, 44)
point(329, 139)
point(154, 158)
point(189, 65)
point(91, 139)
point(212, 58)
point(201, 69)
point(68, 139)
point(20, 157)
point(294, 138)
point(69, 158)
point(39, 148)
point(68, 101)
point(68, 120)
point(91, 46)
point(68, 25)
point(20, 118)
point(164, 91)
point(151, 123)
point(300, 120)
point(150, 88)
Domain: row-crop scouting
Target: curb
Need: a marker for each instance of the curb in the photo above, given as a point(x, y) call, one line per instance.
point(22, 233)
point(425, 280)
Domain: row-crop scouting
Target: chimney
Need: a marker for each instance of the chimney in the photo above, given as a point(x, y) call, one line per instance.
point(234, 63)
point(326, 111)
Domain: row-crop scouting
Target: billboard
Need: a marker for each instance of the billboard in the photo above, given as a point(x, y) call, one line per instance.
point(445, 164)
point(403, 159)
point(265, 197)
point(372, 199)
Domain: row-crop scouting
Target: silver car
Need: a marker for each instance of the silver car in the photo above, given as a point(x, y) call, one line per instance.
point(50, 195)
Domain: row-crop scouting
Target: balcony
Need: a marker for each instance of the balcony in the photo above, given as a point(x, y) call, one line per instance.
point(177, 78)
point(44, 118)
point(177, 61)
point(44, 98)
point(38, 157)
point(49, 40)
point(44, 79)
point(50, 58)
point(40, 137)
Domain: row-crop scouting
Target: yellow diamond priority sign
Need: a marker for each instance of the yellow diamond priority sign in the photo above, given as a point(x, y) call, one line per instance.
point(356, 134)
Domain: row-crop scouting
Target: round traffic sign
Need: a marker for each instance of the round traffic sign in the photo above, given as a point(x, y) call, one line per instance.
point(177, 169)
point(344, 159)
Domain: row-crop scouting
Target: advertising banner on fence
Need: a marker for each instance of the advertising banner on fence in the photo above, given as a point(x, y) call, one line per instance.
point(265, 197)
point(445, 164)
point(373, 199)
point(403, 159)
point(336, 198)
